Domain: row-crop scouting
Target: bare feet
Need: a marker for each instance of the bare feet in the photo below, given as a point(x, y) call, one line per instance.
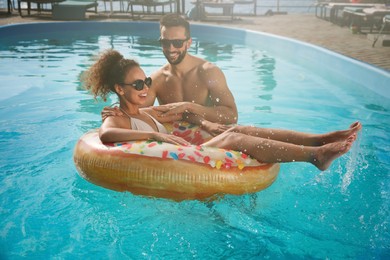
point(341, 135)
point(329, 152)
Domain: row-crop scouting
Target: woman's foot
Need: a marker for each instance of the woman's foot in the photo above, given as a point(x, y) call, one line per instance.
point(341, 135)
point(329, 152)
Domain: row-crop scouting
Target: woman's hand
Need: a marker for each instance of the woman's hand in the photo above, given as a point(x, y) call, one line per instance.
point(177, 108)
point(168, 118)
point(168, 138)
point(214, 129)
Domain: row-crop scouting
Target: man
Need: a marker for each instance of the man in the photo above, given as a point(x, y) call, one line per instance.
point(188, 85)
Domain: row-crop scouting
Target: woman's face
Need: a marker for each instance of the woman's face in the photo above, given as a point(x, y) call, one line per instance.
point(135, 78)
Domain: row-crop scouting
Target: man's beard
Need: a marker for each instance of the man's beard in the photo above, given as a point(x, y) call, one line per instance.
point(179, 58)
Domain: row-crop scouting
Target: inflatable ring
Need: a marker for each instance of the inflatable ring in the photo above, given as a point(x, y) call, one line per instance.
point(170, 171)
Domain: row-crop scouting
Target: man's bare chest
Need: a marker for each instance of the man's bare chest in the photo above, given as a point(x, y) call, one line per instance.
point(189, 92)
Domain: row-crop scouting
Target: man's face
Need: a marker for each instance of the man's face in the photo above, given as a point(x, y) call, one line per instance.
point(174, 43)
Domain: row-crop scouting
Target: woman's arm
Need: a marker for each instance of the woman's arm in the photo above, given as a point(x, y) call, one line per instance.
point(115, 129)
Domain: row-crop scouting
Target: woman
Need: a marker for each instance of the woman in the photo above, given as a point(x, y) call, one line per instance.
point(113, 73)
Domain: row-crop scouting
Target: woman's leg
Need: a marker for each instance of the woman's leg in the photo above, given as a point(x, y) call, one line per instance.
point(295, 137)
point(273, 151)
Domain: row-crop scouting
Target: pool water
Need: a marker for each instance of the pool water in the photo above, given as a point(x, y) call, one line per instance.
point(48, 211)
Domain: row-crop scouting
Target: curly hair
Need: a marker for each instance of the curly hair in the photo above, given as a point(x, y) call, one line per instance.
point(110, 69)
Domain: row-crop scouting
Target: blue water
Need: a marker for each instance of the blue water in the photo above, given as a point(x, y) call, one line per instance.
point(48, 211)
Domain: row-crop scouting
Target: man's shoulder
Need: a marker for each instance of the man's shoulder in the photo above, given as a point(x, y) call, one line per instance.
point(163, 68)
point(161, 72)
point(207, 66)
point(203, 64)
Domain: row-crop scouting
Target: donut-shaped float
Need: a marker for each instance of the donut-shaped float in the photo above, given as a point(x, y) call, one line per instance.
point(170, 171)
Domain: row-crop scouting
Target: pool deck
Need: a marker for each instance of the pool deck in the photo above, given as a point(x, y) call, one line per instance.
point(304, 27)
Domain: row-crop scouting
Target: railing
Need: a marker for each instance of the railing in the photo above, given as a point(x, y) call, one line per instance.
point(276, 6)
point(263, 6)
point(289, 6)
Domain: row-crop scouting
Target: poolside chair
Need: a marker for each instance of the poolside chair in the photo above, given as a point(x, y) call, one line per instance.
point(10, 6)
point(226, 8)
point(151, 7)
point(322, 6)
point(367, 17)
point(39, 4)
point(246, 2)
point(121, 5)
point(337, 16)
point(386, 22)
point(73, 9)
point(336, 8)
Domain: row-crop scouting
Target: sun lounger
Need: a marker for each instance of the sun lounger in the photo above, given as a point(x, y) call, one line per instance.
point(246, 2)
point(321, 7)
point(336, 10)
point(349, 14)
point(225, 14)
point(9, 6)
point(386, 22)
point(367, 17)
point(73, 9)
point(151, 6)
point(39, 4)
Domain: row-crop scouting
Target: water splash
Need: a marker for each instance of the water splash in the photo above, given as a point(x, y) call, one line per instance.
point(354, 162)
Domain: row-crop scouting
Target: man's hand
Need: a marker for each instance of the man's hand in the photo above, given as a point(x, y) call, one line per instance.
point(110, 111)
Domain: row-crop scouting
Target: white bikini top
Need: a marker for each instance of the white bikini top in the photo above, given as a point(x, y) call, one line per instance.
point(140, 125)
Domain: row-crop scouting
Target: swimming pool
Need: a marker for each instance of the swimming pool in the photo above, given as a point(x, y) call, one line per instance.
point(48, 211)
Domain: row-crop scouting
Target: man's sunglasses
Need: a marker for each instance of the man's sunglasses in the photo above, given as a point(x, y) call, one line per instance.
point(165, 43)
point(139, 83)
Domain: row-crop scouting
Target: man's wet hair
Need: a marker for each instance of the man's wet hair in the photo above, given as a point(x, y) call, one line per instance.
point(172, 20)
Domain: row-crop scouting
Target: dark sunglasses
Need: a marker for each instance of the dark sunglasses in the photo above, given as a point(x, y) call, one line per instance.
point(139, 83)
point(165, 43)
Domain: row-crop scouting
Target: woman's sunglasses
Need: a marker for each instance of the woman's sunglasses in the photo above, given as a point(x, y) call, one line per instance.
point(165, 43)
point(139, 83)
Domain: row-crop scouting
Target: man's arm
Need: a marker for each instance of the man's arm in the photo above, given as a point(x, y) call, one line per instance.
point(220, 107)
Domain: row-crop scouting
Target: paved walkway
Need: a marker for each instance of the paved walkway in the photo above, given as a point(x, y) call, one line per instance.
point(303, 27)
point(308, 28)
